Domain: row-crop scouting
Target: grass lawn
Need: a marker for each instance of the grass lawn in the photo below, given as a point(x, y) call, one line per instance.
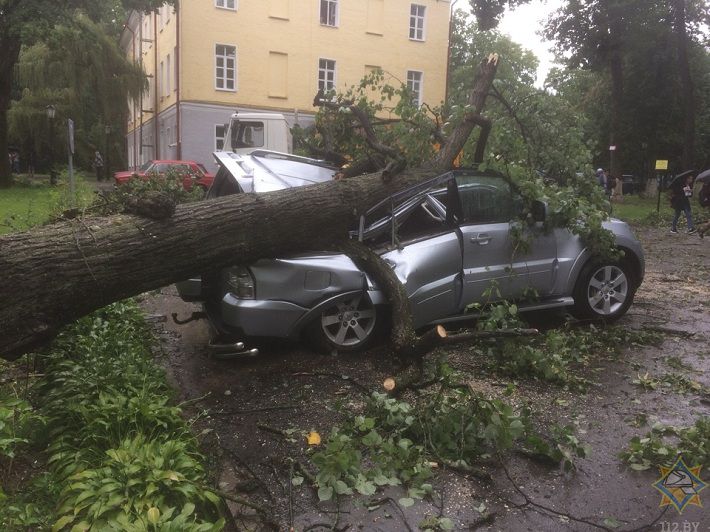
point(32, 203)
point(633, 208)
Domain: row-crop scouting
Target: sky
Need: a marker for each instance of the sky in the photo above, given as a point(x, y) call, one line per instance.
point(523, 23)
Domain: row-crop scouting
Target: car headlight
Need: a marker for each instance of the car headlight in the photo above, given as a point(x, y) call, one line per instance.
point(240, 282)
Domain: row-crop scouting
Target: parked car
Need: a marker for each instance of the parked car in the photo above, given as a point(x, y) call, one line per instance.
point(193, 174)
point(450, 242)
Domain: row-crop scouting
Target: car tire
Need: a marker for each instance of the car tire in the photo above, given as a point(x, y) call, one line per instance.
point(349, 325)
point(604, 291)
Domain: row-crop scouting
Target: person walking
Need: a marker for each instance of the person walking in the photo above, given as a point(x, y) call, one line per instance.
point(98, 165)
point(680, 201)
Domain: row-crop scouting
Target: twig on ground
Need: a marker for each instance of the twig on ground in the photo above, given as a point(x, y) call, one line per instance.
point(253, 410)
point(340, 376)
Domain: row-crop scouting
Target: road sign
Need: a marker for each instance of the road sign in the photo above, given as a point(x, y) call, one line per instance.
point(661, 164)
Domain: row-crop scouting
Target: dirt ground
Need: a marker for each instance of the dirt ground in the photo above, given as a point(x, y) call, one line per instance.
point(291, 387)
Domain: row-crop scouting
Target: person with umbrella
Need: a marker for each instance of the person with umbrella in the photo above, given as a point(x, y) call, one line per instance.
point(681, 192)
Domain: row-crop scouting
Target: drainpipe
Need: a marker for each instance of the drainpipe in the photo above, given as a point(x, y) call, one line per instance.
point(140, 52)
point(178, 132)
point(133, 43)
point(156, 142)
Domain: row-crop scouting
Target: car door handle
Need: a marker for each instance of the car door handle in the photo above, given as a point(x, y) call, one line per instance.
point(481, 239)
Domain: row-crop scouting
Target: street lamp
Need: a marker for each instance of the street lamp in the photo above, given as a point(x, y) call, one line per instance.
point(51, 113)
point(107, 130)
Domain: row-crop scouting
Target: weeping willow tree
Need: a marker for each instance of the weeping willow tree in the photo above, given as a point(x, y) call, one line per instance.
point(54, 23)
point(81, 71)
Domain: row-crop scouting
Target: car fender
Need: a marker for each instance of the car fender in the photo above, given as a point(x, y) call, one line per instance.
point(316, 311)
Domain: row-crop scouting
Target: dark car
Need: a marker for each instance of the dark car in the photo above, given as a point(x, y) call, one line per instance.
point(193, 174)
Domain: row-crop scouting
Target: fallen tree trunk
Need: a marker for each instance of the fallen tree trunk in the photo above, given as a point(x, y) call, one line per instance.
point(58, 273)
point(55, 274)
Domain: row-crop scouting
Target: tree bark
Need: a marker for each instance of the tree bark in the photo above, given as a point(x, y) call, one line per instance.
point(687, 87)
point(55, 274)
point(9, 55)
point(616, 71)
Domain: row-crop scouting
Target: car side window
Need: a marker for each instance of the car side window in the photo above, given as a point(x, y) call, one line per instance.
point(420, 222)
point(486, 199)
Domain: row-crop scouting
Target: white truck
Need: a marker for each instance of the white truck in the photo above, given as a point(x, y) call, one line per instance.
point(247, 131)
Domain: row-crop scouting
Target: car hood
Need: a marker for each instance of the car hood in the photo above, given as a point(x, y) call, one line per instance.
point(265, 171)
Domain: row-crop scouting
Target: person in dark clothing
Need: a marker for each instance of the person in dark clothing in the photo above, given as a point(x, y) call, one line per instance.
point(680, 201)
point(98, 165)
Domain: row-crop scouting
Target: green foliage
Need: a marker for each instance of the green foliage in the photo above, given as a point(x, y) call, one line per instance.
point(371, 452)
point(135, 477)
point(532, 129)
point(119, 453)
point(17, 421)
point(564, 448)
point(675, 382)
point(393, 442)
point(579, 205)
point(378, 95)
point(31, 508)
point(655, 448)
point(557, 354)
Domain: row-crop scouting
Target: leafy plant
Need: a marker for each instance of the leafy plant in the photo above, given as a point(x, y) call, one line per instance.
point(654, 449)
point(120, 456)
point(134, 478)
point(17, 418)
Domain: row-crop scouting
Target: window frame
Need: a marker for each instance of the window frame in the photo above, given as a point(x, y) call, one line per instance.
point(325, 70)
point(225, 6)
point(414, 23)
point(217, 138)
point(225, 68)
point(420, 91)
point(335, 15)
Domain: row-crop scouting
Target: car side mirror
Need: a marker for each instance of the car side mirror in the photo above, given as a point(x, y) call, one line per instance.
point(539, 211)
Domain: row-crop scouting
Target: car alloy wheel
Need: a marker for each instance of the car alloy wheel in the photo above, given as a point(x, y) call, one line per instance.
point(604, 291)
point(350, 323)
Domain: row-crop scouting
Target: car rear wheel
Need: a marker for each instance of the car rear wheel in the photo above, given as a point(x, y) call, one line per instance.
point(348, 325)
point(603, 291)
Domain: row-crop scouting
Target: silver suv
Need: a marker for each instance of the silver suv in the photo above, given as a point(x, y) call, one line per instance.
point(453, 241)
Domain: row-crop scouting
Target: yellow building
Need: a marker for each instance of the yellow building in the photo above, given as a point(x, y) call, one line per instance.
point(207, 58)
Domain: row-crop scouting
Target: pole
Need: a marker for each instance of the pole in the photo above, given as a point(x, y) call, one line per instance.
point(70, 151)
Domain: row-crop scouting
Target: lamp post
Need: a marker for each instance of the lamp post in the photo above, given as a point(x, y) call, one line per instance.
point(107, 130)
point(51, 113)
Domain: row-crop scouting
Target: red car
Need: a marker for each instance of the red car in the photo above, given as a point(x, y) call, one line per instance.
point(192, 173)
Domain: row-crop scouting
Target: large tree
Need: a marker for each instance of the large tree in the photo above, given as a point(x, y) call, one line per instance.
point(27, 22)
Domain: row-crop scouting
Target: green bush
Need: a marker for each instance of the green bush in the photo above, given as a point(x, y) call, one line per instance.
point(120, 457)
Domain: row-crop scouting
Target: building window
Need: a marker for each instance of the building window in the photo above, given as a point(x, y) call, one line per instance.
point(167, 75)
point(219, 137)
point(416, 22)
point(161, 80)
point(326, 74)
point(329, 12)
point(225, 67)
point(415, 84)
point(175, 70)
point(226, 4)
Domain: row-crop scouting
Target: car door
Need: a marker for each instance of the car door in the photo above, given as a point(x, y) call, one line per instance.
point(428, 259)
point(492, 266)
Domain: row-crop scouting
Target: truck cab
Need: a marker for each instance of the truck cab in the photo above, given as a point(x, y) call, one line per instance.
point(247, 131)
